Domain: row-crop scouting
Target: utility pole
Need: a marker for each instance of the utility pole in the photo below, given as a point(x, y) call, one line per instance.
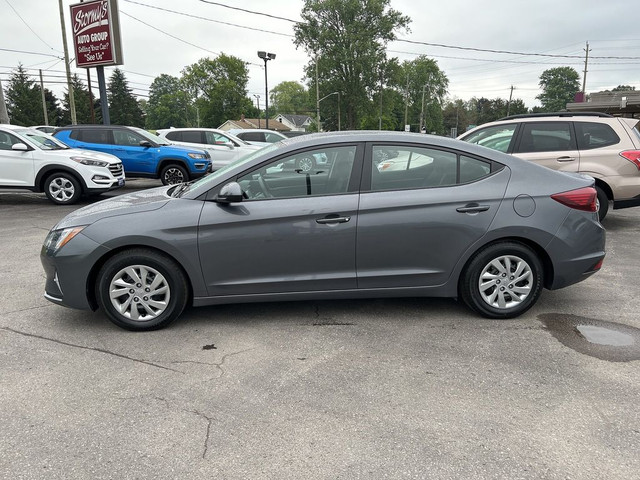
point(258, 99)
point(584, 78)
point(510, 97)
point(380, 116)
point(317, 98)
point(406, 103)
point(44, 102)
point(422, 122)
point(72, 102)
point(4, 116)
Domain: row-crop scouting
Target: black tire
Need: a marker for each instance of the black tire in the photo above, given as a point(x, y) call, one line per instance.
point(136, 274)
point(511, 298)
point(62, 188)
point(174, 173)
point(306, 164)
point(603, 202)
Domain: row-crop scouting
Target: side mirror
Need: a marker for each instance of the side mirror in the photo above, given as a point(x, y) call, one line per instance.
point(229, 145)
point(230, 193)
point(145, 143)
point(20, 147)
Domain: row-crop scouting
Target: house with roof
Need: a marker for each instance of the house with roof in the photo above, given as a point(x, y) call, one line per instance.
point(296, 123)
point(250, 123)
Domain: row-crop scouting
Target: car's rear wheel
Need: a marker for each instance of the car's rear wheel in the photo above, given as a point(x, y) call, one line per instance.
point(174, 173)
point(141, 290)
point(306, 164)
point(603, 203)
point(62, 188)
point(503, 280)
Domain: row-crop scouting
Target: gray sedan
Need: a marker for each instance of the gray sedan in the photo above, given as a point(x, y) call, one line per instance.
point(470, 223)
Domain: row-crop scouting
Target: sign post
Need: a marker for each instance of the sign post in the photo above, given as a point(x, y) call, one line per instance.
point(96, 41)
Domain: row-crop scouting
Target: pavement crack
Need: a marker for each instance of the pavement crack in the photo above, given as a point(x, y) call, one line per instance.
point(219, 364)
point(208, 431)
point(27, 309)
point(93, 349)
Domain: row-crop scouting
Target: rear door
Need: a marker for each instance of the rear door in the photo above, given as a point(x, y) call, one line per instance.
point(419, 214)
point(551, 144)
point(294, 232)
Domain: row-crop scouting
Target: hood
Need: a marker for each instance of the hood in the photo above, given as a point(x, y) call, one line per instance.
point(143, 201)
point(183, 149)
point(79, 152)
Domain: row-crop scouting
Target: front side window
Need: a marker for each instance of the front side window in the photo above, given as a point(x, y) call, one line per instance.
point(7, 141)
point(595, 135)
point(546, 137)
point(126, 138)
point(252, 136)
point(497, 137)
point(285, 177)
point(214, 138)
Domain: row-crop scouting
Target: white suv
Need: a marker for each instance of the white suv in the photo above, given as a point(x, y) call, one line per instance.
point(36, 161)
point(604, 147)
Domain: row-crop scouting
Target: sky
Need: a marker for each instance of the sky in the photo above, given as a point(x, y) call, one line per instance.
point(464, 37)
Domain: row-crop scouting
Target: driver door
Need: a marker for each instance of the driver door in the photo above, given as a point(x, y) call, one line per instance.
point(295, 231)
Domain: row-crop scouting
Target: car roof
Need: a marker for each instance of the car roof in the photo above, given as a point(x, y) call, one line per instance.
point(9, 126)
point(96, 127)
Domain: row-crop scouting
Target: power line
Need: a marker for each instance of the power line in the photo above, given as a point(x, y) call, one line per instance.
point(30, 53)
point(247, 11)
point(29, 27)
point(209, 19)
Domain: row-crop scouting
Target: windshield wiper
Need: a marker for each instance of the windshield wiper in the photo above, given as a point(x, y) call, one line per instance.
point(183, 187)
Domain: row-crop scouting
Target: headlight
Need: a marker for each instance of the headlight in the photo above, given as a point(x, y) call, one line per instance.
point(197, 155)
point(59, 238)
point(90, 161)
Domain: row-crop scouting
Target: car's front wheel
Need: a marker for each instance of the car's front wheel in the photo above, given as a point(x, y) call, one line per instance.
point(174, 173)
point(62, 188)
point(141, 289)
point(503, 280)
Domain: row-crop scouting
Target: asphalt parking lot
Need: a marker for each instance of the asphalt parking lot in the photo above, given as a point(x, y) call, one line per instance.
point(406, 388)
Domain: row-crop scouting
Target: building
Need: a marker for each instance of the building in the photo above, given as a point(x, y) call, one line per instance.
point(625, 103)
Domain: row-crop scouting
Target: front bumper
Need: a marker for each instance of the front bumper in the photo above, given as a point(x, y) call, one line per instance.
point(68, 272)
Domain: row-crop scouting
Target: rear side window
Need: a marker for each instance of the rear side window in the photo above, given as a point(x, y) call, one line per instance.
point(546, 137)
point(595, 135)
point(94, 136)
point(192, 136)
point(252, 136)
point(175, 136)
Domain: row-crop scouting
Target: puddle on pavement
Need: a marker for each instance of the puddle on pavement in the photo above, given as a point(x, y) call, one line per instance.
point(609, 341)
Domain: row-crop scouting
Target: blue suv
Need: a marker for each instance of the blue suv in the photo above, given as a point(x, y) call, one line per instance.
point(142, 153)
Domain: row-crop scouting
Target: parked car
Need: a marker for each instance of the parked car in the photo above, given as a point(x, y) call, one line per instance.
point(223, 147)
point(605, 147)
point(476, 224)
point(45, 128)
point(32, 160)
point(142, 153)
point(293, 133)
point(257, 136)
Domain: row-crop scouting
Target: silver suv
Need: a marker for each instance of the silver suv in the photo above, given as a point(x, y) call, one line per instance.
point(604, 147)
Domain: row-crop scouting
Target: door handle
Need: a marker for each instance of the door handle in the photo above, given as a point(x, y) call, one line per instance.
point(566, 159)
point(332, 219)
point(473, 208)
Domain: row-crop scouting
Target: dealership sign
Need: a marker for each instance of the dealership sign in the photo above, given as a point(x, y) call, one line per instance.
point(96, 33)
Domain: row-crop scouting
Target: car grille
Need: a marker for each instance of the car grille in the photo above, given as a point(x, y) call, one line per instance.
point(115, 169)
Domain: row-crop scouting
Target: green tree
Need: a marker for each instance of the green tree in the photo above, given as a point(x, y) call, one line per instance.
point(218, 88)
point(289, 98)
point(123, 106)
point(559, 87)
point(623, 88)
point(23, 98)
point(346, 40)
point(169, 104)
point(54, 112)
point(82, 102)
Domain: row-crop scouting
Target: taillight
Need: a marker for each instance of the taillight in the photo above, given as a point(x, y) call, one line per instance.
point(580, 199)
point(633, 156)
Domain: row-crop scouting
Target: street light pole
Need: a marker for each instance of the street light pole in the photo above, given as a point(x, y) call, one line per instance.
point(327, 96)
point(266, 57)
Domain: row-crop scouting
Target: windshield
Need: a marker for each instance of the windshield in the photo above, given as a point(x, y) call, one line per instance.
point(41, 140)
point(211, 179)
point(150, 136)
